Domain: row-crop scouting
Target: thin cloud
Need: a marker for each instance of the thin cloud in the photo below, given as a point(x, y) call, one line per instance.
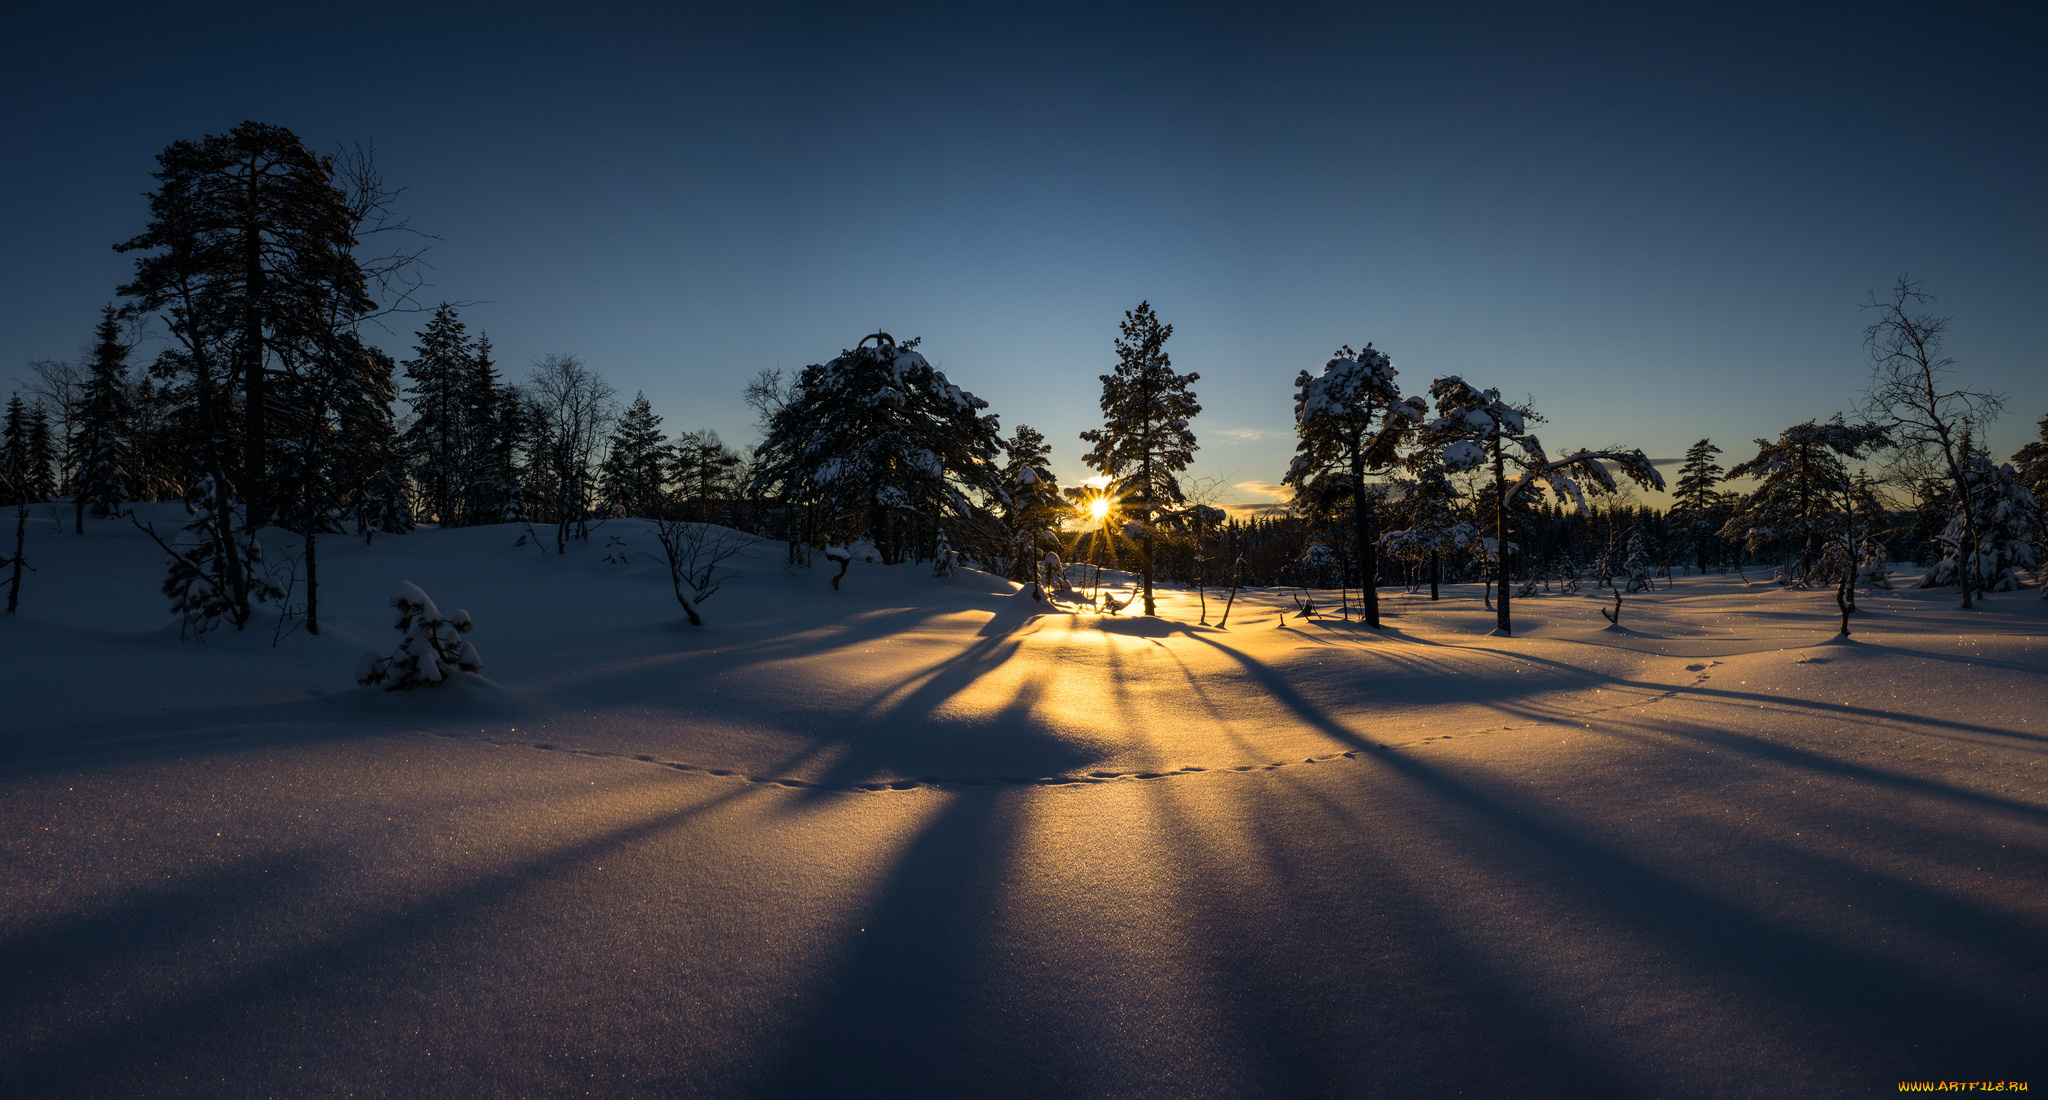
point(1277, 492)
point(1242, 435)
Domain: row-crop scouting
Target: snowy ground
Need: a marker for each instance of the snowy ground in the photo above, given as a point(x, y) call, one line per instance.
point(918, 838)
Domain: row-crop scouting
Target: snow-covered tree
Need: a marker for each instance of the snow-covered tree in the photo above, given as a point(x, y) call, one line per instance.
point(431, 649)
point(1030, 498)
point(877, 443)
point(1802, 490)
point(1349, 422)
point(1144, 442)
point(2008, 531)
point(1476, 427)
point(2030, 465)
point(1431, 524)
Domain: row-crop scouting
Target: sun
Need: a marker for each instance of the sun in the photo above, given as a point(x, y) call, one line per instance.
point(1098, 509)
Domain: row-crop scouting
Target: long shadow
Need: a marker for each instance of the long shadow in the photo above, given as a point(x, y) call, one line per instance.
point(157, 1026)
point(1901, 1020)
point(1353, 988)
point(919, 1005)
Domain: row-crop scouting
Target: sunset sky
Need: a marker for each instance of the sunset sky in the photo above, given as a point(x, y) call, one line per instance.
point(1657, 228)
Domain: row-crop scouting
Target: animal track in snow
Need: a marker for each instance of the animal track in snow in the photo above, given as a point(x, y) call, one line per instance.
point(932, 782)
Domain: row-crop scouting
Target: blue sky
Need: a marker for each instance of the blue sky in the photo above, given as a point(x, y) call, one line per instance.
point(1657, 227)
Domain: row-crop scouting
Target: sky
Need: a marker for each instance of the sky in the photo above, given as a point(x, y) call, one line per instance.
point(1656, 227)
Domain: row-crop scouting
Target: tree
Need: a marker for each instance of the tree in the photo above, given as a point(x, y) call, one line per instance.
point(2008, 532)
point(1031, 501)
point(103, 482)
point(1802, 488)
point(1697, 498)
point(431, 651)
point(58, 387)
point(878, 444)
point(1144, 442)
point(2030, 465)
point(249, 249)
point(705, 472)
point(1429, 512)
point(1475, 426)
point(569, 410)
point(1924, 413)
point(636, 470)
point(441, 373)
point(17, 482)
point(1349, 422)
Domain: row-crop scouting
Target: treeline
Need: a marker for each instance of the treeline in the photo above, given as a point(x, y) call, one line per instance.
point(261, 262)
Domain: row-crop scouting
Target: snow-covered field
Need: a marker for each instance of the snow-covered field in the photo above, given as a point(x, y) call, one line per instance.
point(921, 837)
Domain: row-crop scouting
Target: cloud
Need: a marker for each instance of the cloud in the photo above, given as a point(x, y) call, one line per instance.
point(1242, 435)
point(1277, 492)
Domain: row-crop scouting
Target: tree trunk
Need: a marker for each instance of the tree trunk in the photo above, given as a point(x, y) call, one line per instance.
point(312, 586)
point(253, 456)
point(1436, 571)
point(1367, 517)
point(20, 547)
point(1502, 573)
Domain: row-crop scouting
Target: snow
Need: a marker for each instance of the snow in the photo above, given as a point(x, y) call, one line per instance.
point(924, 837)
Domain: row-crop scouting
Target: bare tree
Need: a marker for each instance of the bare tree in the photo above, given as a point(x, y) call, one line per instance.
point(1912, 395)
point(573, 410)
point(695, 554)
point(60, 385)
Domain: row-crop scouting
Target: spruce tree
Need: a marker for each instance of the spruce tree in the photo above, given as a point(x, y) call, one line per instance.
point(17, 483)
point(1144, 442)
point(104, 480)
point(636, 469)
point(441, 373)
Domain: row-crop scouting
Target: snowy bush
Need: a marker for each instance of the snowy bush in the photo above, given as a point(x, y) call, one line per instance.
point(431, 650)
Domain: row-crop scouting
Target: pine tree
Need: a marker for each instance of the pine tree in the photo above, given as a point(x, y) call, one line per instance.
point(1801, 490)
point(2030, 465)
point(1144, 442)
point(1697, 501)
point(104, 481)
point(248, 255)
point(1350, 421)
point(1475, 426)
point(704, 470)
point(636, 471)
